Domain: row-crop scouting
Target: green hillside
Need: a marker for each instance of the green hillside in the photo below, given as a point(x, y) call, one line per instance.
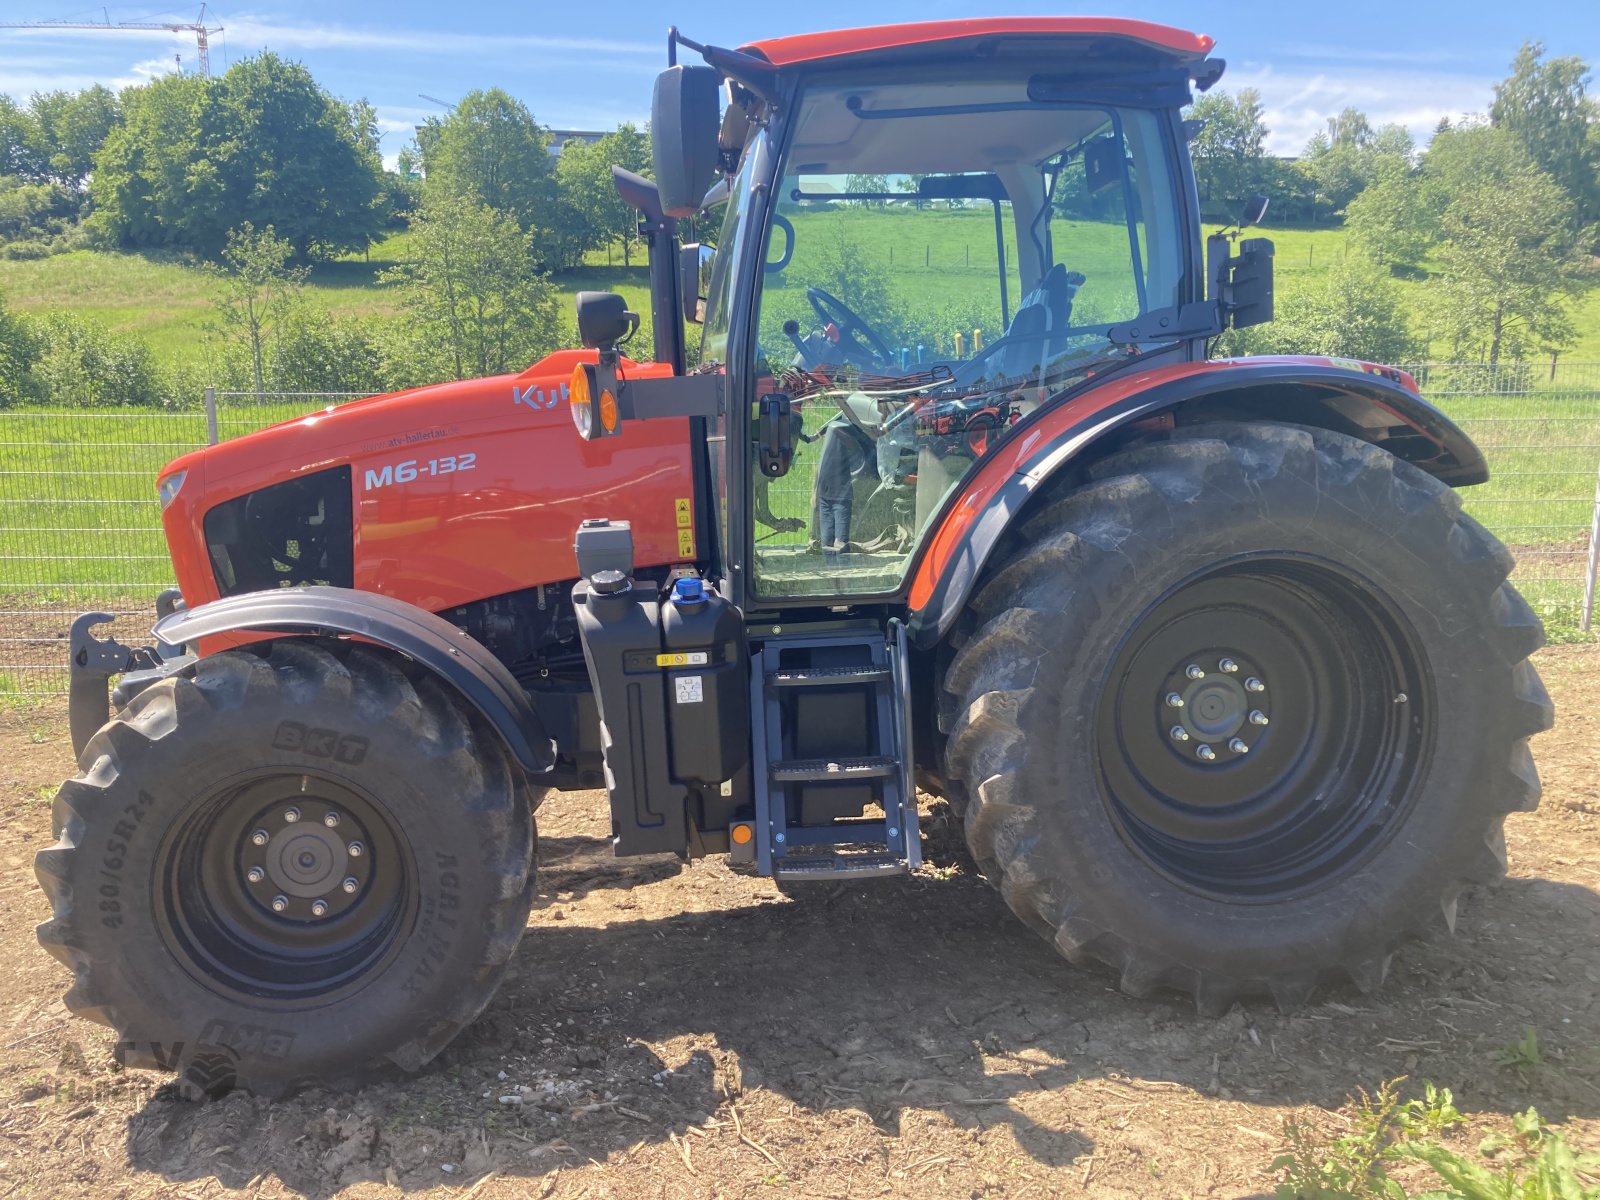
point(169, 303)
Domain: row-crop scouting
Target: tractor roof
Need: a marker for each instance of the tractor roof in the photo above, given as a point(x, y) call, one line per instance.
point(846, 43)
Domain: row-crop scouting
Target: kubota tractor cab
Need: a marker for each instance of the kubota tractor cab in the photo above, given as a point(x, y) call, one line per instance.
point(1227, 690)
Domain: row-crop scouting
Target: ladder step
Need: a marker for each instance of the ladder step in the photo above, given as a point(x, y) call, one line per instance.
point(822, 770)
point(826, 676)
point(838, 866)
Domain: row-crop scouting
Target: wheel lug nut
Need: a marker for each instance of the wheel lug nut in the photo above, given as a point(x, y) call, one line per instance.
point(350, 884)
point(255, 875)
point(331, 820)
point(1254, 685)
point(1239, 746)
point(355, 849)
point(319, 908)
point(1228, 665)
point(1194, 671)
point(1178, 733)
point(279, 903)
point(260, 837)
point(1257, 717)
point(291, 815)
point(1174, 700)
point(1205, 752)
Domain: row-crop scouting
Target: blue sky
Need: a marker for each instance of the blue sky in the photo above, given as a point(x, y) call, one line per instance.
point(1411, 61)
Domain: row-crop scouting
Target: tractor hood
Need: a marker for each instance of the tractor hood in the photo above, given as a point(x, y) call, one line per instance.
point(439, 495)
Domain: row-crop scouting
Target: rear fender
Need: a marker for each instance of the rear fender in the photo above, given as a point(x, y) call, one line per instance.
point(1363, 400)
point(460, 661)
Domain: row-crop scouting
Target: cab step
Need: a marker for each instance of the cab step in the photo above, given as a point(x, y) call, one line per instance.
point(821, 867)
point(827, 676)
point(844, 770)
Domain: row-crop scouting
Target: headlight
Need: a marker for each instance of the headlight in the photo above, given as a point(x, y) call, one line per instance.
point(168, 487)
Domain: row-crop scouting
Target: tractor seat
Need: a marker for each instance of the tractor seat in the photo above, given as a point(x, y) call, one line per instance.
point(1045, 310)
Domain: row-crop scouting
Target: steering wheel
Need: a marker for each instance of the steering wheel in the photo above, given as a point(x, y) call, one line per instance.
point(858, 341)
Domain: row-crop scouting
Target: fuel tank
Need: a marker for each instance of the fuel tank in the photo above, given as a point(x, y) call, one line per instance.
point(455, 492)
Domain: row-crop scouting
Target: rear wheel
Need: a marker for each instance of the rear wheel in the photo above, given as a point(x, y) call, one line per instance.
point(301, 864)
point(1243, 711)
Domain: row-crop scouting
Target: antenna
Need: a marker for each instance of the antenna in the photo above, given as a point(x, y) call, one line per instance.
point(198, 27)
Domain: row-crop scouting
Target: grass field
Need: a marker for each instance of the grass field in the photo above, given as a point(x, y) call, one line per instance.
point(79, 524)
point(169, 303)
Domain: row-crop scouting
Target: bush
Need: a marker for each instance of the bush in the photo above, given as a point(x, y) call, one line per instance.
point(19, 350)
point(84, 365)
point(1354, 311)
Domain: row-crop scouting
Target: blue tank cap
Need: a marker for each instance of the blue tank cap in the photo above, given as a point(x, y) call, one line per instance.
point(689, 590)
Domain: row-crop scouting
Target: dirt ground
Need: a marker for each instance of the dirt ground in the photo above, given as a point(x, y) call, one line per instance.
point(677, 1030)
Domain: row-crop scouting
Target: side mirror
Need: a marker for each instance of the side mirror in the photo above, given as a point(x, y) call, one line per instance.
point(683, 134)
point(694, 279)
point(1249, 289)
point(1254, 209)
point(604, 320)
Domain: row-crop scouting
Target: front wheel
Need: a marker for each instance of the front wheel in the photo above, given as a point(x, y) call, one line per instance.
point(301, 864)
point(1243, 711)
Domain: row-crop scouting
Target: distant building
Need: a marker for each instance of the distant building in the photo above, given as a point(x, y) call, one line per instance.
point(560, 137)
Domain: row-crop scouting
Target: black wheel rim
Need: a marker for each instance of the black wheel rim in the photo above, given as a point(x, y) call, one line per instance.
point(290, 887)
point(1262, 728)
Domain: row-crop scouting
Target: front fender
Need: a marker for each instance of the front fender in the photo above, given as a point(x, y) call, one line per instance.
point(1360, 399)
point(459, 660)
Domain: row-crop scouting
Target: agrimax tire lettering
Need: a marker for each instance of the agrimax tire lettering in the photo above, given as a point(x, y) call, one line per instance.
point(114, 855)
point(437, 924)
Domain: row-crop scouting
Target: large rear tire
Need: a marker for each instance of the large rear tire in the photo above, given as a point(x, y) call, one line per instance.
point(302, 864)
point(1243, 711)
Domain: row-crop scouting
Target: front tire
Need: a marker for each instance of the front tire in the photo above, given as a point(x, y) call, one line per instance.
point(301, 864)
point(1243, 711)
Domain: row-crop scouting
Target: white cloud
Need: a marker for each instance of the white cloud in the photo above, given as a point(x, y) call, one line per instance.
point(1297, 102)
point(266, 32)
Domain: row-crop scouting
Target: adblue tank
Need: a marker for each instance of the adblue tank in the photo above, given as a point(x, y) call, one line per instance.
point(708, 690)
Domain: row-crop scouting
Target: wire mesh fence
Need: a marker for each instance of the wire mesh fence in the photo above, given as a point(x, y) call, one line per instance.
point(80, 525)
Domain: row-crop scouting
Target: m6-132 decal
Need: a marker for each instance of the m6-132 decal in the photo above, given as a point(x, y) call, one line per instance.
point(413, 469)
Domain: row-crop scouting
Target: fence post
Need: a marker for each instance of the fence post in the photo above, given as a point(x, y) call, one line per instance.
point(211, 416)
point(1587, 616)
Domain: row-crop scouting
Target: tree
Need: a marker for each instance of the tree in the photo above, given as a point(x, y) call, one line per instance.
point(1543, 105)
point(593, 214)
point(70, 127)
point(1229, 152)
point(259, 288)
point(1509, 254)
point(19, 142)
point(867, 183)
point(1343, 160)
point(490, 148)
point(1389, 220)
point(472, 288)
point(194, 157)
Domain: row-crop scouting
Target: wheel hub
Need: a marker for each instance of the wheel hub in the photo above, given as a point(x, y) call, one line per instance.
point(1251, 739)
point(1214, 706)
point(305, 861)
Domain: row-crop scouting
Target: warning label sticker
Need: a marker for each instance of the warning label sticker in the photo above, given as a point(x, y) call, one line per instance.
point(685, 658)
point(690, 689)
point(684, 512)
point(686, 543)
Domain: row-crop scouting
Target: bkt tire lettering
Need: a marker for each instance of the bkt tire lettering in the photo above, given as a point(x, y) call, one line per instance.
point(346, 748)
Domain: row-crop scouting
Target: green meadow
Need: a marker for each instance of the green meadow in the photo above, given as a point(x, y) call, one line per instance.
point(78, 518)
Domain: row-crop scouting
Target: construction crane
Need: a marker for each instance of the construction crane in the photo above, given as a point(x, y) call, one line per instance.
point(198, 27)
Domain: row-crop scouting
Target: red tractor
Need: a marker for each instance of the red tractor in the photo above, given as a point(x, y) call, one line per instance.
point(1229, 692)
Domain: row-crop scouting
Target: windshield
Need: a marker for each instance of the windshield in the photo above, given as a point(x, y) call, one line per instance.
point(954, 253)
